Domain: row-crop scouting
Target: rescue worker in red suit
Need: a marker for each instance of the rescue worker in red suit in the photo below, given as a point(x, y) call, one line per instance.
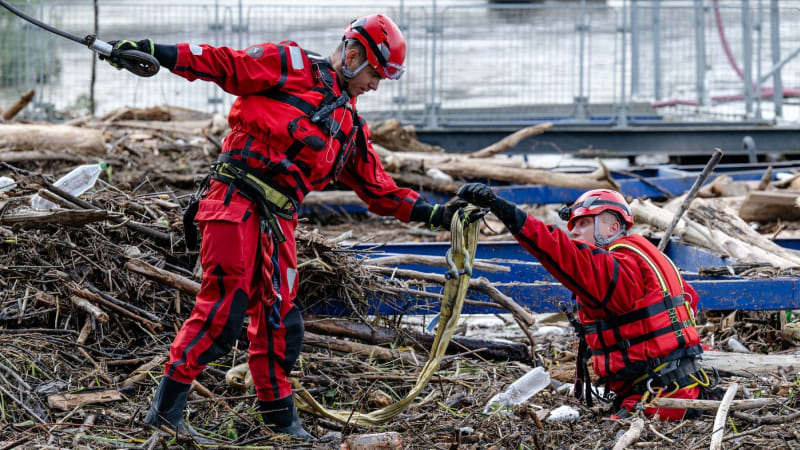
point(636, 312)
point(294, 129)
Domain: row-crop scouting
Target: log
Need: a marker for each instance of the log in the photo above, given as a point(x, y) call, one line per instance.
point(730, 235)
point(393, 136)
point(179, 282)
point(20, 137)
point(20, 104)
point(333, 198)
point(768, 419)
point(156, 113)
point(142, 371)
point(725, 186)
point(82, 303)
point(37, 155)
point(631, 436)
point(94, 297)
point(718, 430)
point(746, 365)
point(390, 440)
point(511, 140)
point(711, 405)
point(75, 217)
point(424, 182)
point(67, 402)
point(763, 206)
point(435, 261)
point(371, 351)
point(496, 350)
point(480, 169)
point(480, 284)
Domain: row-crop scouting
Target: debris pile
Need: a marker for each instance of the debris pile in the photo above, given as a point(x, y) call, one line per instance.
point(92, 293)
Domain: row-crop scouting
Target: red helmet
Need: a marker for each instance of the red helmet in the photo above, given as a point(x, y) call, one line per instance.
point(593, 202)
point(384, 43)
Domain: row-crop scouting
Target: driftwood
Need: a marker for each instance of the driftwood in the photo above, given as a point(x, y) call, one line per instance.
point(60, 217)
point(392, 135)
point(764, 206)
point(710, 405)
point(37, 155)
point(20, 104)
point(768, 419)
point(391, 440)
point(511, 140)
point(332, 198)
point(87, 306)
point(154, 113)
point(436, 261)
point(715, 227)
point(689, 197)
point(718, 430)
point(19, 137)
point(182, 283)
point(424, 182)
point(725, 186)
point(747, 364)
point(141, 372)
point(469, 168)
point(370, 351)
point(631, 436)
point(497, 350)
point(66, 402)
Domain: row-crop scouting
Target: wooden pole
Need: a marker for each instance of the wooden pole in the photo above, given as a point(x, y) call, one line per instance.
point(712, 163)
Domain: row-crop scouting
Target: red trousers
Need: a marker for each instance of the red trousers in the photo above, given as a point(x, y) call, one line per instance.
point(244, 272)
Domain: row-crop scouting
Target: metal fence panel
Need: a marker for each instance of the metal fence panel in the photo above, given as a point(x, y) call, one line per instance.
point(476, 63)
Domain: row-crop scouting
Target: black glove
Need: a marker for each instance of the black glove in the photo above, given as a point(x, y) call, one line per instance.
point(483, 196)
point(442, 215)
point(145, 46)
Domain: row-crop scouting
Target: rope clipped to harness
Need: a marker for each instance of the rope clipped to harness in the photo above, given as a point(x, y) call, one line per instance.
point(463, 243)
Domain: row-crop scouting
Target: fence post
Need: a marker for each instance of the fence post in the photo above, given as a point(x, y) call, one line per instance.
point(747, 49)
point(758, 60)
point(634, 48)
point(581, 100)
point(432, 107)
point(775, 43)
point(700, 51)
point(622, 118)
point(657, 49)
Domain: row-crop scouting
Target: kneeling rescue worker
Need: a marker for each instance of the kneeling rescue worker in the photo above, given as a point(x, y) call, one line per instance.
point(294, 129)
point(635, 311)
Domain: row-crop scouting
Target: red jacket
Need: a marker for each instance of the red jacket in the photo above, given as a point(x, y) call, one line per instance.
point(278, 87)
point(610, 284)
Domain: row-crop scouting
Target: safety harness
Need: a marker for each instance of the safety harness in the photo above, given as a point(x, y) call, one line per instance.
point(676, 370)
point(258, 186)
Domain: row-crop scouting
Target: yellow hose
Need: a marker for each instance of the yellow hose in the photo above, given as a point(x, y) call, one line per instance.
point(463, 243)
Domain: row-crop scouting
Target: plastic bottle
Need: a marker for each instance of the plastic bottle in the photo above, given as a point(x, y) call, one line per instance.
point(7, 184)
point(76, 182)
point(519, 391)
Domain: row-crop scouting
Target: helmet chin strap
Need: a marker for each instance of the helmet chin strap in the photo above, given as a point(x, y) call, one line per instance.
point(350, 74)
point(604, 242)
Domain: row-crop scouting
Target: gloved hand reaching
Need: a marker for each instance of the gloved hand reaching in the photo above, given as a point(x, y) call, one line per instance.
point(483, 196)
point(442, 215)
point(144, 46)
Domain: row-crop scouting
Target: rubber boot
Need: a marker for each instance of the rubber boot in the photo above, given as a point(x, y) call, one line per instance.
point(167, 408)
point(281, 417)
